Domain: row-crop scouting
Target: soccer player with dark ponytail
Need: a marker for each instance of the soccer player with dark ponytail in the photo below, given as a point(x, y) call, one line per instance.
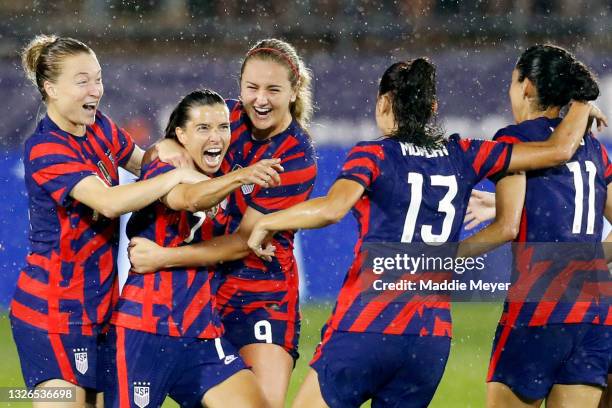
point(546, 348)
point(411, 185)
point(258, 301)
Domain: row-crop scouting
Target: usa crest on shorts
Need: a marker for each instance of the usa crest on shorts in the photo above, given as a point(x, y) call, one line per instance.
point(141, 393)
point(80, 360)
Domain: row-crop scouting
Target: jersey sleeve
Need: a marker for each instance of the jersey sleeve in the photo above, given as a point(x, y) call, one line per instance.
point(607, 165)
point(297, 181)
point(126, 147)
point(483, 158)
point(55, 166)
point(363, 164)
point(123, 144)
point(155, 168)
point(510, 134)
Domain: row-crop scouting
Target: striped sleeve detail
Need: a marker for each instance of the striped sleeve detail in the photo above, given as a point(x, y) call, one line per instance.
point(55, 166)
point(607, 165)
point(155, 168)
point(487, 159)
point(122, 142)
point(363, 164)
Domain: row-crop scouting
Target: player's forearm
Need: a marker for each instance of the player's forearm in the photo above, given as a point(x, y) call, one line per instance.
point(220, 249)
point(559, 148)
point(315, 213)
point(487, 239)
point(207, 194)
point(115, 201)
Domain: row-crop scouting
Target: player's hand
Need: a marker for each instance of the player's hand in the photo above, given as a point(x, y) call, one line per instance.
point(481, 208)
point(597, 116)
point(263, 173)
point(169, 151)
point(145, 255)
point(258, 235)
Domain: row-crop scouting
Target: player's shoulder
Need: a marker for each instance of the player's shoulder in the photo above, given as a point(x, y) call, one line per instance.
point(233, 104)
point(528, 130)
point(235, 108)
point(455, 142)
point(46, 132)
point(300, 134)
point(376, 147)
point(295, 140)
point(154, 168)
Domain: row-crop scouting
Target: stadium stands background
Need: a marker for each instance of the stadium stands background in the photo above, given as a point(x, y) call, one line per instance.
point(153, 52)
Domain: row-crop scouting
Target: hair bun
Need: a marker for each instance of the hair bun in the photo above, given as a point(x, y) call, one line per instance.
point(584, 87)
point(422, 66)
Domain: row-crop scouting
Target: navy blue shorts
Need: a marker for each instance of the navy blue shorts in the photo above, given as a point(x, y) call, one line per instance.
point(530, 360)
point(45, 356)
point(391, 370)
point(143, 368)
point(256, 326)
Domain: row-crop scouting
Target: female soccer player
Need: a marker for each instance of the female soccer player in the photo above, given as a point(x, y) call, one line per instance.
point(65, 293)
point(558, 350)
point(258, 300)
point(378, 349)
point(174, 310)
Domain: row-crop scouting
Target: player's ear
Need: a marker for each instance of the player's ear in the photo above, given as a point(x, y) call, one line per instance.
point(434, 106)
point(50, 89)
point(294, 93)
point(529, 89)
point(180, 135)
point(383, 105)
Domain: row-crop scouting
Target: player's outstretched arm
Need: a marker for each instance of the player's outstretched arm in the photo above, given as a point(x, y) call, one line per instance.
point(210, 192)
point(117, 200)
point(146, 256)
point(315, 213)
point(509, 200)
point(562, 143)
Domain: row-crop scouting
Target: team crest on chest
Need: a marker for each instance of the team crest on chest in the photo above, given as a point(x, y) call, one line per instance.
point(141, 393)
point(104, 172)
point(212, 212)
point(80, 360)
point(247, 188)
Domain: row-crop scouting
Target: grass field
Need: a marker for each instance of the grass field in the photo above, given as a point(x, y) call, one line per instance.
point(462, 385)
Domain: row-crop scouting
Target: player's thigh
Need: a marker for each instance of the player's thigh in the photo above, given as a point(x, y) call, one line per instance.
point(240, 390)
point(272, 366)
point(575, 395)
point(499, 395)
point(309, 395)
point(83, 397)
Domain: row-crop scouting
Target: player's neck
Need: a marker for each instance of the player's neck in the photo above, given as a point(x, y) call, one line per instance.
point(65, 124)
point(262, 135)
point(550, 113)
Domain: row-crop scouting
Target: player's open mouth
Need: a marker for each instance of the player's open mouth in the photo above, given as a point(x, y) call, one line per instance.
point(91, 107)
point(212, 156)
point(262, 113)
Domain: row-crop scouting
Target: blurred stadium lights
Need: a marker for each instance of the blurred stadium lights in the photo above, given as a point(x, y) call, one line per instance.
point(357, 24)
